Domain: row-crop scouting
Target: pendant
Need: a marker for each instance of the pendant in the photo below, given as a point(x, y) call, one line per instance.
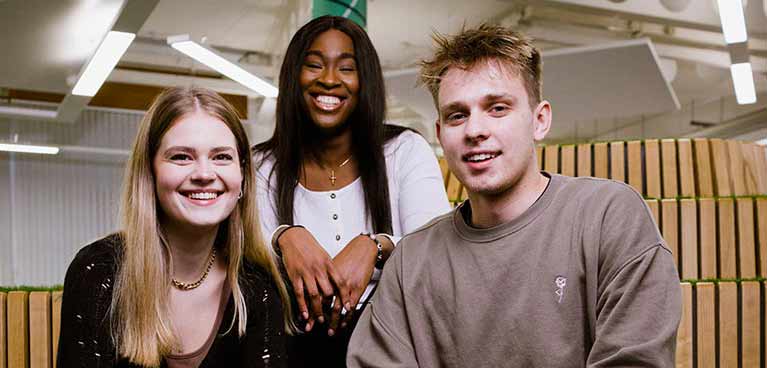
point(332, 177)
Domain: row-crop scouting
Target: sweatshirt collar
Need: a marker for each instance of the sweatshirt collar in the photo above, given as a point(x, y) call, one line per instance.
point(473, 234)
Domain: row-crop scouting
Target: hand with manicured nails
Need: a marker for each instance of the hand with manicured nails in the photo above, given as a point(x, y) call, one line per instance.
point(355, 265)
point(312, 273)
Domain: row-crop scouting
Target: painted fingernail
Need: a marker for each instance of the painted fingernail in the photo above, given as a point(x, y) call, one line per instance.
point(321, 319)
point(331, 332)
point(305, 315)
point(343, 324)
point(348, 306)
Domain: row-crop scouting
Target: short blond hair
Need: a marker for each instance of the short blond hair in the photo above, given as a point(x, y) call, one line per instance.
point(484, 43)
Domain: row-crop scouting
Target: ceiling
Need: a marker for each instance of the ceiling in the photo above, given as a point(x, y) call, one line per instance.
point(684, 58)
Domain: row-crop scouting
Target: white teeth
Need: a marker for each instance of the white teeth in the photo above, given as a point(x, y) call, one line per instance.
point(328, 100)
point(204, 195)
point(480, 157)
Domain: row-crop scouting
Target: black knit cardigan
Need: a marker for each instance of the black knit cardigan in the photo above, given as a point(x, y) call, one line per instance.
point(85, 339)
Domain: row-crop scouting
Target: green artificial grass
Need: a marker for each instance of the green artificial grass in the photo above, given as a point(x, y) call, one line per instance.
point(28, 288)
point(716, 281)
point(757, 196)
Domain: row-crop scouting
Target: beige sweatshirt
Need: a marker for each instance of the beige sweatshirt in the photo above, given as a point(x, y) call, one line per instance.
point(581, 279)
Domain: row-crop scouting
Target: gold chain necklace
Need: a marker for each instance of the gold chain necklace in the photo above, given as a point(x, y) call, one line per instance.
point(184, 286)
point(332, 176)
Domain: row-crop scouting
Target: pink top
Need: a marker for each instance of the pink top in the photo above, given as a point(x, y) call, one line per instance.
point(193, 359)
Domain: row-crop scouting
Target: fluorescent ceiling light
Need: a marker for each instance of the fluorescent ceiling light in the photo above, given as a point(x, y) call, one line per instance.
point(27, 111)
point(743, 79)
point(224, 66)
point(24, 148)
point(733, 21)
point(103, 61)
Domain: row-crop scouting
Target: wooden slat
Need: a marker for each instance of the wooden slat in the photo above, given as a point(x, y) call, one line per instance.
point(601, 163)
point(55, 323)
point(634, 149)
point(3, 329)
point(707, 228)
point(668, 152)
point(737, 171)
point(761, 214)
point(750, 311)
point(720, 157)
point(686, 170)
point(539, 156)
point(746, 244)
point(453, 188)
point(750, 169)
point(727, 261)
point(444, 169)
point(684, 350)
point(18, 329)
point(704, 179)
point(568, 160)
point(584, 160)
point(761, 168)
point(40, 329)
point(689, 246)
point(463, 194)
point(654, 209)
point(139, 97)
point(706, 324)
point(652, 167)
point(617, 160)
point(551, 154)
point(728, 324)
point(670, 227)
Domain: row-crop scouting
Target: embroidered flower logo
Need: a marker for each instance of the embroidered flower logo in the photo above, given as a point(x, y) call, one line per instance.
point(561, 283)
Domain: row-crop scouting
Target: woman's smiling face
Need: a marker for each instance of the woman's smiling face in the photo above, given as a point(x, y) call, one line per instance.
point(329, 80)
point(197, 172)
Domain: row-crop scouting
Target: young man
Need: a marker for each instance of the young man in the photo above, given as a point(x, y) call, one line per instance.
point(535, 269)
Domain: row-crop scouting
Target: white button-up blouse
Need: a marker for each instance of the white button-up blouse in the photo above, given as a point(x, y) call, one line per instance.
point(416, 193)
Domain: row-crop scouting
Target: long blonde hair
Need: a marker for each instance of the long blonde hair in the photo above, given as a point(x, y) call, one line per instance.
point(140, 310)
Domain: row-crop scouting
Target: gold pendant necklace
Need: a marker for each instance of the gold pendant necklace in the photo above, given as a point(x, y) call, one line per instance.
point(332, 176)
point(184, 286)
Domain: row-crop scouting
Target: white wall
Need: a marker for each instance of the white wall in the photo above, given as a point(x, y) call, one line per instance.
point(53, 205)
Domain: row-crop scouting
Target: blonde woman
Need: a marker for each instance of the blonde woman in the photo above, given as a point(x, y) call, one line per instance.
point(189, 281)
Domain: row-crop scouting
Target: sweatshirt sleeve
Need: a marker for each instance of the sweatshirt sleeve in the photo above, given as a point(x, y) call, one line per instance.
point(382, 336)
point(638, 314)
point(638, 298)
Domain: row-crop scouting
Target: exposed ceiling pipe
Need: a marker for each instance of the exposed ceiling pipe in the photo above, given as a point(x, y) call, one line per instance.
point(734, 127)
point(28, 112)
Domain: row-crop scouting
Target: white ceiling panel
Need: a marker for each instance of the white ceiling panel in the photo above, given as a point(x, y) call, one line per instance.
point(44, 42)
point(597, 82)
